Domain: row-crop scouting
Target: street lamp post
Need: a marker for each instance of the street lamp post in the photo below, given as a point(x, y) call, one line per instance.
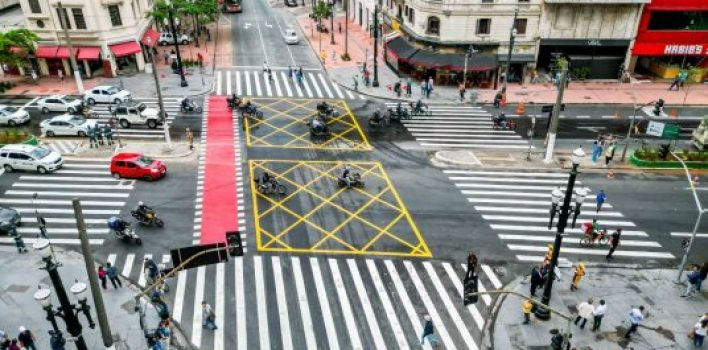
point(331, 21)
point(564, 213)
point(171, 21)
point(160, 101)
point(512, 36)
point(375, 83)
point(67, 311)
point(469, 52)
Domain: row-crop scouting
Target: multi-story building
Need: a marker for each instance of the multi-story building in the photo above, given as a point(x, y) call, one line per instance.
point(108, 36)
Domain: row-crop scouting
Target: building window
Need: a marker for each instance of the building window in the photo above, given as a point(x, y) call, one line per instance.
point(520, 25)
point(487, 1)
point(678, 20)
point(63, 18)
point(433, 25)
point(79, 20)
point(483, 25)
point(411, 15)
point(114, 12)
point(34, 6)
point(523, 0)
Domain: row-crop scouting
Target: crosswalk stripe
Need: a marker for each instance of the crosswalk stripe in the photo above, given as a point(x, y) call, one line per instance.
point(60, 202)
point(283, 315)
point(81, 172)
point(551, 238)
point(537, 258)
point(543, 211)
point(67, 211)
point(460, 130)
point(545, 203)
point(286, 84)
point(689, 234)
point(66, 194)
point(314, 84)
point(72, 220)
point(178, 302)
point(142, 278)
point(308, 326)
point(485, 141)
point(240, 306)
point(508, 179)
point(218, 82)
point(112, 259)
point(239, 91)
point(297, 88)
point(478, 319)
point(472, 145)
point(324, 304)
point(480, 286)
point(84, 166)
point(219, 306)
point(228, 83)
point(63, 231)
point(507, 187)
point(337, 90)
point(403, 295)
point(505, 173)
point(31, 241)
point(261, 304)
point(387, 305)
point(277, 85)
point(257, 82)
point(128, 266)
point(325, 85)
point(429, 306)
point(480, 135)
point(267, 82)
point(79, 186)
point(349, 94)
point(528, 228)
point(248, 83)
point(67, 178)
point(366, 305)
point(542, 219)
point(450, 306)
point(570, 250)
point(492, 276)
point(197, 310)
point(307, 87)
point(447, 123)
point(351, 327)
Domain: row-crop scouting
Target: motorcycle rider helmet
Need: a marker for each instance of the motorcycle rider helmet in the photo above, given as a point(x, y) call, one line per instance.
point(140, 203)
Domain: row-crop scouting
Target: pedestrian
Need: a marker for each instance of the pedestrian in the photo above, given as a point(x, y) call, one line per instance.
point(636, 317)
point(423, 88)
point(409, 87)
point(200, 59)
point(497, 99)
point(579, 273)
point(428, 332)
point(699, 333)
point(323, 56)
point(290, 72)
point(609, 154)
point(4, 341)
point(265, 67)
point(526, 308)
point(270, 75)
point(34, 76)
point(600, 200)
point(208, 316)
point(112, 274)
point(702, 274)
point(26, 338)
point(60, 74)
point(597, 315)
point(166, 56)
point(108, 133)
point(536, 280)
point(339, 26)
point(614, 243)
point(461, 89)
point(99, 134)
point(298, 77)
point(356, 82)
point(190, 139)
point(367, 80)
point(102, 276)
point(693, 279)
point(14, 345)
point(397, 88)
point(19, 241)
point(92, 138)
point(430, 86)
point(585, 311)
point(596, 149)
point(679, 80)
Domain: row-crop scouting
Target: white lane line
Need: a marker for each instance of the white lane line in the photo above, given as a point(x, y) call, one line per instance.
point(218, 82)
point(534, 219)
point(277, 85)
point(450, 306)
point(308, 327)
point(478, 319)
point(324, 84)
point(142, 278)
point(314, 84)
point(387, 305)
point(247, 79)
point(228, 82)
point(128, 266)
point(492, 276)
point(689, 234)
point(297, 88)
point(337, 90)
point(429, 306)
point(324, 304)
point(472, 145)
point(178, 302)
point(260, 35)
point(307, 86)
point(286, 83)
point(267, 83)
point(485, 297)
point(569, 250)
point(542, 211)
point(349, 320)
point(261, 303)
point(583, 117)
point(240, 306)
point(219, 306)
point(257, 83)
point(197, 311)
point(366, 305)
point(532, 238)
point(283, 316)
point(239, 91)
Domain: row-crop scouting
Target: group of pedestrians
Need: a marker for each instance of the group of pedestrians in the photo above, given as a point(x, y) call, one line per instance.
point(587, 310)
point(100, 135)
point(606, 143)
point(426, 87)
point(695, 278)
point(293, 73)
point(25, 340)
point(400, 88)
point(109, 273)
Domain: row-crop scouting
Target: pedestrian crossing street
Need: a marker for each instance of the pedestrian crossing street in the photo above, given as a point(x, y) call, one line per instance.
point(315, 84)
point(516, 206)
point(456, 127)
point(87, 179)
point(292, 302)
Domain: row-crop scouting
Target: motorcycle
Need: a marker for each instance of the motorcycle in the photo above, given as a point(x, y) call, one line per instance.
point(149, 218)
point(123, 232)
point(422, 110)
point(88, 113)
point(354, 181)
point(507, 124)
point(249, 111)
point(377, 121)
point(398, 113)
point(234, 102)
point(324, 108)
point(318, 127)
point(186, 104)
point(271, 187)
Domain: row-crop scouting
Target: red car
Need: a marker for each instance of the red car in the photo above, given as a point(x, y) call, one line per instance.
point(136, 166)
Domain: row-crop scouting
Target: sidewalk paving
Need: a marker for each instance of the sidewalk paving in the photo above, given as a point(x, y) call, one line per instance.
point(21, 276)
point(668, 317)
point(156, 150)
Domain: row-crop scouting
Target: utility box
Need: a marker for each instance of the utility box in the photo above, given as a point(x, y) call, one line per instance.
point(700, 135)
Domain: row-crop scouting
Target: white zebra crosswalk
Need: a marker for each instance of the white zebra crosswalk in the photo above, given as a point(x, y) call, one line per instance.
point(172, 107)
point(63, 147)
point(314, 84)
point(87, 179)
point(291, 302)
point(516, 206)
point(459, 127)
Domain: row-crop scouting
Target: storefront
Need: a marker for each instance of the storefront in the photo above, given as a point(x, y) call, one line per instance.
point(89, 59)
point(128, 57)
point(588, 58)
point(49, 62)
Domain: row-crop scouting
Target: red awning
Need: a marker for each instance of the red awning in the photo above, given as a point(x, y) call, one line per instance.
point(46, 52)
point(125, 49)
point(89, 53)
point(150, 37)
point(63, 52)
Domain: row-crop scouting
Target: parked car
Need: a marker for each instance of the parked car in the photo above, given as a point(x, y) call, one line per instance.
point(60, 103)
point(12, 116)
point(28, 157)
point(66, 125)
point(9, 217)
point(291, 3)
point(137, 166)
point(133, 112)
point(166, 38)
point(106, 94)
point(290, 37)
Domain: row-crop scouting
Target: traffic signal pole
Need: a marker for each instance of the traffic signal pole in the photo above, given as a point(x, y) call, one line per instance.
point(555, 116)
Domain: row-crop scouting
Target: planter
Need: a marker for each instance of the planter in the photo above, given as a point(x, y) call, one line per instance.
point(665, 163)
point(29, 139)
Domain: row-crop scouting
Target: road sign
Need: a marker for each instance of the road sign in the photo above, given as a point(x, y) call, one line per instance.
point(663, 130)
point(655, 128)
point(549, 108)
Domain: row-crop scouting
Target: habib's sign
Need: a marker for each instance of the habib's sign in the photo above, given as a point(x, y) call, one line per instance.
point(683, 49)
point(657, 49)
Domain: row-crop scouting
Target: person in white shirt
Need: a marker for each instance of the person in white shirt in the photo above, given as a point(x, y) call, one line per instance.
point(585, 311)
point(597, 314)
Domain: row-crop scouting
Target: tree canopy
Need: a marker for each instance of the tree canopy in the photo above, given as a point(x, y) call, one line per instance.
point(205, 10)
point(22, 39)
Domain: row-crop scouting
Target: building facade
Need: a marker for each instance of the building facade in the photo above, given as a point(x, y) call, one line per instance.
point(108, 36)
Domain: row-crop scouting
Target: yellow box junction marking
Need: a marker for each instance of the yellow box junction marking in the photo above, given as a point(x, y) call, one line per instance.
point(285, 125)
point(372, 220)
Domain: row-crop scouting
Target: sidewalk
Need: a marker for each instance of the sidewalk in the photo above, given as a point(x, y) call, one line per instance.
point(21, 276)
point(668, 317)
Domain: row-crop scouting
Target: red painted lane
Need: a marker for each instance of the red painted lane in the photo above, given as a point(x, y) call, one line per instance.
point(219, 209)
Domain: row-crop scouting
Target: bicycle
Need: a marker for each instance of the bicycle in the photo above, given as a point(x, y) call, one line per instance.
point(595, 238)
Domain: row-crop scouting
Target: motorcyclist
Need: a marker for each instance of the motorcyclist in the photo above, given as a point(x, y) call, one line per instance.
point(400, 110)
point(151, 268)
point(186, 103)
point(345, 176)
point(501, 120)
point(249, 108)
point(419, 106)
point(142, 210)
point(318, 126)
point(376, 117)
point(267, 179)
point(234, 101)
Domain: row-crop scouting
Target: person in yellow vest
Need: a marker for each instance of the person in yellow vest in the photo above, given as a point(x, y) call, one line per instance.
point(323, 56)
point(579, 273)
point(526, 308)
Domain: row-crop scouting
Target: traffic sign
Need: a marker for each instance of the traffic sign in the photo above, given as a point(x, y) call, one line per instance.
point(549, 108)
point(663, 130)
point(655, 128)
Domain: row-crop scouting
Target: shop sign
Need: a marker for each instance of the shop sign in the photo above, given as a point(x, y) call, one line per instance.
point(683, 49)
point(661, 49)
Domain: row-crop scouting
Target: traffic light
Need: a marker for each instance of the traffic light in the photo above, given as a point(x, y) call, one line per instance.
point(658, 106)
point(470, 287)
point(664, 151)
point(233, 243)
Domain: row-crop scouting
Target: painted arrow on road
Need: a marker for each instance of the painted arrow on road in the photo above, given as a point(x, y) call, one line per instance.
point(246, 25)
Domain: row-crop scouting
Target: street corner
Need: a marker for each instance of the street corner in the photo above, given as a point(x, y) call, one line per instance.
point(316, 213)
point(285, 124)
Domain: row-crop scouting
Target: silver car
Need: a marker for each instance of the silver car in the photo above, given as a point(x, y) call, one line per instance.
point(290, 37)
point(12, 116)
point(60, 103)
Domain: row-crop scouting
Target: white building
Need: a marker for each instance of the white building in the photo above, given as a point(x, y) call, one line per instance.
point(106, 34)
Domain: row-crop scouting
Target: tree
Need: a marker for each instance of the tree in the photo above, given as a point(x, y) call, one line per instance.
point(200, 11)
point(23, 39)
point(321, 10)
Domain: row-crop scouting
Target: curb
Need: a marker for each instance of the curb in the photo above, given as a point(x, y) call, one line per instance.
point(488, 332)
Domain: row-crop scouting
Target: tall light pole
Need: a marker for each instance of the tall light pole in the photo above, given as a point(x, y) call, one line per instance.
point(72, 53)
point(469, 53)
point(331, 21)
point(564, 213)
point(160, 101)
point(375, 83)
point(171, 21)
point(512, 36)
point(555, 115)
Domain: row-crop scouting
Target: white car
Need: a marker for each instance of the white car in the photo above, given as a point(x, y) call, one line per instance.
point(28, 157)
point(167, 39)
point(12, 116)
point(60, 103)
point(106, 94)
point(133, 112)
point(66, 124)
point(290, 37)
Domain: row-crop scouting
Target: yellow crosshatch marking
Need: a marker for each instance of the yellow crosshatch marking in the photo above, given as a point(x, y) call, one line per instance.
point(317, 216)
point(285, 125)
